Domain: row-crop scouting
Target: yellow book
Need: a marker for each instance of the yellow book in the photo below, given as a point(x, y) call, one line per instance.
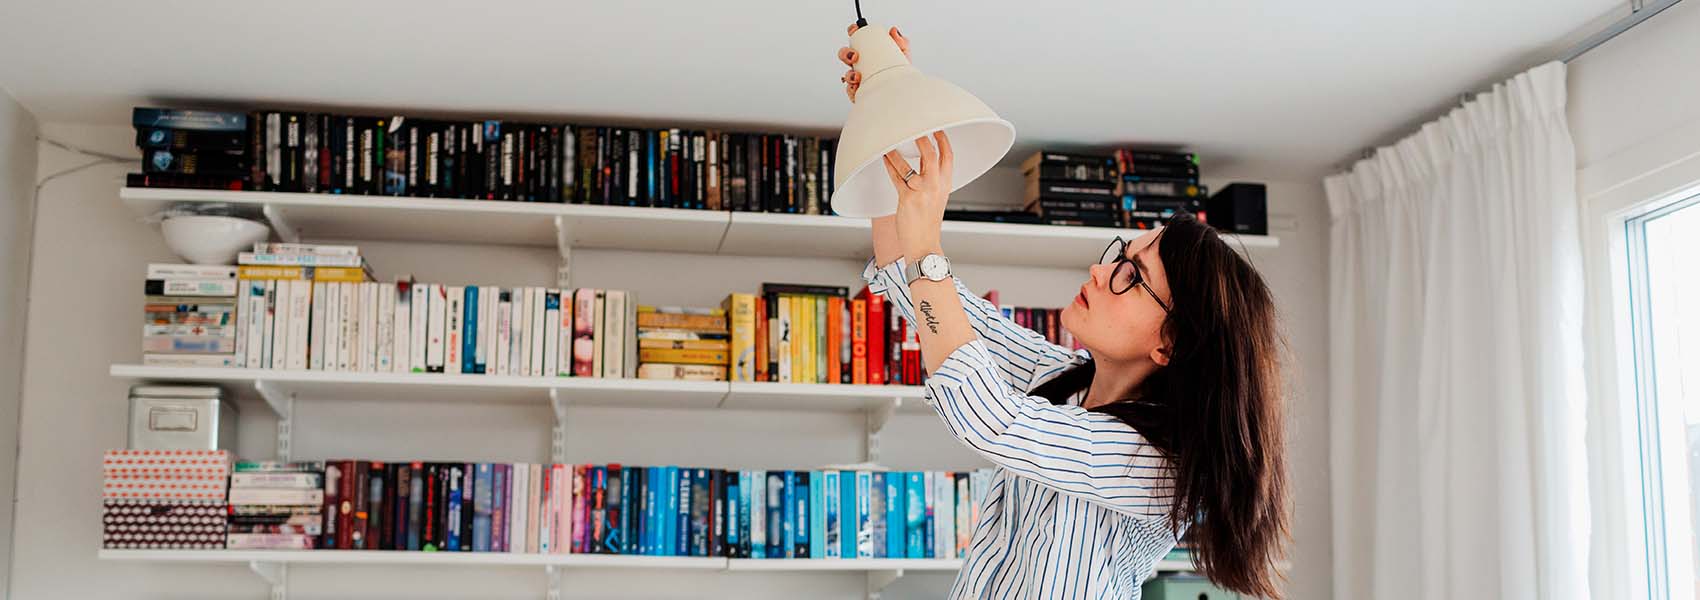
point(741, 312)
point(683, 357)
point(796, 335)
point(808, 338)
point(721, 345)
point(328, 274)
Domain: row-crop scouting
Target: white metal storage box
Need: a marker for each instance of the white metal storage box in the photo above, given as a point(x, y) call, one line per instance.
point(181, 417)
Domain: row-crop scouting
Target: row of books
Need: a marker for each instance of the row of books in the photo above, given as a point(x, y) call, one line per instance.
point(1136, 189)
point(275, 506)
point(484, 160)
point(803, 333)
point(657, 511)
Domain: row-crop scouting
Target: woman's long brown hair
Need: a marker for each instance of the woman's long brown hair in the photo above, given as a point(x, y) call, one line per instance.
point(1215, 410)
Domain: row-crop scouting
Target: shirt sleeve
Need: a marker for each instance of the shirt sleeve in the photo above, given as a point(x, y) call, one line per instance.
point(1074, 451)
point(1022, 356)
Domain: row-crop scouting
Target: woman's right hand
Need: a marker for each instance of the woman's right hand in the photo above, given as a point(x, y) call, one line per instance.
point(853, 79)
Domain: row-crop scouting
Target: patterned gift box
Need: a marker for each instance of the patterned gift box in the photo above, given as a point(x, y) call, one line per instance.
point(142, 524)
point(166, 475)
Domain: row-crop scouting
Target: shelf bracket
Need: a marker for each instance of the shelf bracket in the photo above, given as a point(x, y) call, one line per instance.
point(877, 580)
point(280, 225)
point(553, 572)
point(564, 245)
point(558, 441)
point(877, 418)
point(283, 404)
point(275, 574)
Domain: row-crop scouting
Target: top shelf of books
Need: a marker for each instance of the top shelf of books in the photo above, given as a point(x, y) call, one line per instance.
point(385, 218)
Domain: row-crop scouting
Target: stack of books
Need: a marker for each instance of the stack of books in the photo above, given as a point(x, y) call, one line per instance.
point(276, 505)
point(282, 285)
point(189, 316)
point(1072, 189)
point(158, 499)
point(683, 343)
point(1154, 186)
point(192, 149)
point(506, 160)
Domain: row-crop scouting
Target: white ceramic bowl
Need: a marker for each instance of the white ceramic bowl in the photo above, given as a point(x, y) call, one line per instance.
point(210, 240)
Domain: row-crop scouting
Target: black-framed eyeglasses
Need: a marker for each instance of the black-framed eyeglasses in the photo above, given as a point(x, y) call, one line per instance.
point(1127, 273)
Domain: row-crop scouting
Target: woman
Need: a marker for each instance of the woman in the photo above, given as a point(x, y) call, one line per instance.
point(1169, 418)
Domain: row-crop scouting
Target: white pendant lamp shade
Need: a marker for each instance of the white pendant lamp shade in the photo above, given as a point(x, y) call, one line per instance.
point(895, 104)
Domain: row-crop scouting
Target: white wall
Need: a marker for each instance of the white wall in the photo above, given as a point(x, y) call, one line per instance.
point(17, 186)
point(73, 411)
point(1634, 111)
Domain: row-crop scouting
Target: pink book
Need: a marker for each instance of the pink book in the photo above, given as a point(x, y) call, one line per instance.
point(578, 507)
point(584, 325)
point(531, 515)
point(563, 509)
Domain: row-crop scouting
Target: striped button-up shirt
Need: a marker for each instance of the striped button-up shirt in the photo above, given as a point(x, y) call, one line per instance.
point(1078, 502)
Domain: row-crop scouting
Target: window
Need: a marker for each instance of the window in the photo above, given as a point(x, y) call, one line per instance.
point(1663, 249)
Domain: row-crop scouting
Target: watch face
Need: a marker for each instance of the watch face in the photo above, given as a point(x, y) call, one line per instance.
point(935, 267)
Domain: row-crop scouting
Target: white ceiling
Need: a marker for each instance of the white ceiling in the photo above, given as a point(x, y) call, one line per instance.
point(1266, 88)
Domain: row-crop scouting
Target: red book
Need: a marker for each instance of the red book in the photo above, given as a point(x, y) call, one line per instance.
point(761, 338)
point(344, 510)
point(875, 325)
point(859, 341)
point(1052, 327)
point(911, 355)
point(834, 305)
point(580, 508)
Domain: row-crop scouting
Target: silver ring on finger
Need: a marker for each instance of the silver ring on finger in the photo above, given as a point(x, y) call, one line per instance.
point(908, 175)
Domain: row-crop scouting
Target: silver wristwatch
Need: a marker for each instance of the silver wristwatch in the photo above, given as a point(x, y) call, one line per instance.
point(934, 267)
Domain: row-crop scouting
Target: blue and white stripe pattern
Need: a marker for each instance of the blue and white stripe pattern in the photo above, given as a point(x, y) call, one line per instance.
point(1078, 503)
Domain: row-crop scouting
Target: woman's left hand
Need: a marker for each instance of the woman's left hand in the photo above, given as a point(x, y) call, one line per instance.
point(921, 194)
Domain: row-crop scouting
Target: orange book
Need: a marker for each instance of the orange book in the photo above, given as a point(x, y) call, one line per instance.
point(834, 305)
point(858, 341)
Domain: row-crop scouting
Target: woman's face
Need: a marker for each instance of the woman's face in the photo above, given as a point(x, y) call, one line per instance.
point(1128, 326)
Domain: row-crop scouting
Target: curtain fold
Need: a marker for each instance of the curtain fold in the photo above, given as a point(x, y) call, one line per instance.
point(1456, 394)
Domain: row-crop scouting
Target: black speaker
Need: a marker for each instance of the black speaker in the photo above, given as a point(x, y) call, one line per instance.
point(1239, 208)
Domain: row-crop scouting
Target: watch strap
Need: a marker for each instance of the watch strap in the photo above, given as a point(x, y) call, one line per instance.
point(914, 271)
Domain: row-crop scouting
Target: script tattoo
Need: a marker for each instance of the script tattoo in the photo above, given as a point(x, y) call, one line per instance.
point(927, 311)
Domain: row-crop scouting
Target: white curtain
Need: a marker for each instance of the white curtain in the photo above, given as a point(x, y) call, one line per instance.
point(1456, 393)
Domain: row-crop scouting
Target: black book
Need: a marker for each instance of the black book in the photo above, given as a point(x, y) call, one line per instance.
point(1153, 156)
point(568, 145)
point(466, 507)
point(618, 168)
point(637, 179)
point(448, 160)
point(375, 521)
point(805, 289)
point(310, 144)
point(470, 140)
point(701, 499)
point(181, 162)
point(527, 178)
point(687, 171)
point(800, 480)
point(1161, 169)
point(398, 508)
point(428, 528)
point(509, 163)
point(291, 152)
point(490, 136)
point(1104, 170)
point(323, 155)
point(417, 153)
point(257, 150)
point(701, 161)
point(1113, 203)
point(189, 139)
point(637, 512)
point(395, 157)
point(752, 174)
point(455, 503)
point(1113, 223)
point(336, 146)
point(586, 164)
point(1139, 185)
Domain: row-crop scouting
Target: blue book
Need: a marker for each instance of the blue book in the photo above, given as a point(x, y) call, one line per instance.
point(620, 525)
point(730, 537)
point(915, 516)
point(801, 523)
point(481, 504)
point(929, 526)
point(670, 513)
point(651, 502)
point(829, 500)
point(894, 515)
point(452, 533)
point(864, 526)
point(775, 514)
point(817, 515)
point(499, 509)
point(469, 330)
point(701, 511)
point(682, 514)
point(876, 512)
point(788, 512)
point(847, 514)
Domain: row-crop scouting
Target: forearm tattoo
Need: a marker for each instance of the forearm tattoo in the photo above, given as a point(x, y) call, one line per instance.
point(927, 311)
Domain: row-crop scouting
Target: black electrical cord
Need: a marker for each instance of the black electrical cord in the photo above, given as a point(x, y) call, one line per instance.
point(860, 22)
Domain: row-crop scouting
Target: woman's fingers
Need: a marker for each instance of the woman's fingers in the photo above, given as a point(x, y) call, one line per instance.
point(853, 29)
point(947, 157)
point(902, 42)
point(929, 155)
point(891, 161)
point(847, 56)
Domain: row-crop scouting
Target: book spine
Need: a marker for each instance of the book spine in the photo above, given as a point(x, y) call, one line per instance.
point(468, 334)
point(877, 513)
point(787, 546)
point(896, 516)
point(817, 515)
point(834, 545)
point(915, 516)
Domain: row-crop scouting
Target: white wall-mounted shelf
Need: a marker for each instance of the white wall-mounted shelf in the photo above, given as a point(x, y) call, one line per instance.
point(575, 391)
point(383, 557)
point(438, 220)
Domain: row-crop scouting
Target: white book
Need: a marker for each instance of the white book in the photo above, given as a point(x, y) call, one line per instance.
point(368, 327)
point(522, 298)
point(613, 341)
point(783, 322)
point(351, 316)
point(345, 327)
point(598, 332)
point(169, 271)
point(864, 520)
point(386, 326)
point(535, 330)
point(563, 331)
point(300, 321)
point(435, 327)
point(499, 345)
point(266, 343)
point(316, 331)
point(294, 248)
point(417, 333)
point(518, 479)
point(758, 511)
point(516, 326)
point(551, 340)
point(454, 314)
point(244, 293)
point(333, 323)
point(486, 328)
point(402, 340)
